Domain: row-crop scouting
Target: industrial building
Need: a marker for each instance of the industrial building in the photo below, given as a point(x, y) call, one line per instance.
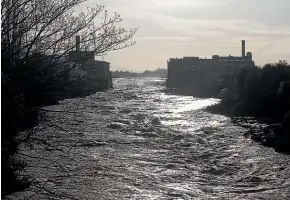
point(187, 70)
point(97, 72)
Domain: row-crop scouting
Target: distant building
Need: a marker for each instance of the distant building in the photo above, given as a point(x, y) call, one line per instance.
point(95, 70)
point(199, 69)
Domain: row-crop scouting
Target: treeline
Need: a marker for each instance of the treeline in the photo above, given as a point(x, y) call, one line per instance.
point(155, 73)
point(36, 37)
point(124, 74)
point(147, 73)
point(261, 92)
point(257, 91)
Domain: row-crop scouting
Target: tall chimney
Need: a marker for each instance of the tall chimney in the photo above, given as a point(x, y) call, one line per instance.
point(78, 42)
point(243, 48)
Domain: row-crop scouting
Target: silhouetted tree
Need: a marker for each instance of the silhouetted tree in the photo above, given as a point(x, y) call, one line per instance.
point(36, 36)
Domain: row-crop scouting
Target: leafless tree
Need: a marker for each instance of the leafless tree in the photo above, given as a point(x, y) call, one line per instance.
point(49, 26)
point(32, 30)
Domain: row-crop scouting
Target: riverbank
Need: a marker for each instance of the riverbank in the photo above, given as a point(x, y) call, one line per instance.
point(113, 147)
point(274, 133)
point(20, 112)
point(259, 92)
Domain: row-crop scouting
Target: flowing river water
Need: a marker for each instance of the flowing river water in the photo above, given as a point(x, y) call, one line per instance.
point(138, 142)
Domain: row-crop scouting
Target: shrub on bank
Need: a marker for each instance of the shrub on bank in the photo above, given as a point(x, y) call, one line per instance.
point(35, 44)
point(16, 116)
point(263, 93)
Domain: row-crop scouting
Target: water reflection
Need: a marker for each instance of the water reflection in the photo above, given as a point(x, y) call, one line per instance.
point(136, 142)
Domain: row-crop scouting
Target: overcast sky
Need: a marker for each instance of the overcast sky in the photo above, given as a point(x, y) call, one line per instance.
point(176, 28)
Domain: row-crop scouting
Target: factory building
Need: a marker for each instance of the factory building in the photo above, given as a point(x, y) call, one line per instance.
point(194, 69)
point(98, 72)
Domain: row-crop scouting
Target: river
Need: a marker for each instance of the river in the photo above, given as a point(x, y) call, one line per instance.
point(138, 142)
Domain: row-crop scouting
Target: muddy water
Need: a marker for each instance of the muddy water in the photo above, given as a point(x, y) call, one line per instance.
point(137, 142)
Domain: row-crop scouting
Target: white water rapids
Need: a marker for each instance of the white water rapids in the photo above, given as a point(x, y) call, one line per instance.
point(137, 142)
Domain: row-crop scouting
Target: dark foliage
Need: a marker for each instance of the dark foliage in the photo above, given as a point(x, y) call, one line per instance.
point(16, 116)
point(36, 37)
point(263, 93)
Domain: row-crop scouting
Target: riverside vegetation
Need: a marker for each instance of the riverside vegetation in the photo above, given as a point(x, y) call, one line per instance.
point(36, 37)
point(263, 93)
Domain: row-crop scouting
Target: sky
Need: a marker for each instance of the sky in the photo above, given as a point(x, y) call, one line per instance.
point(177, 28)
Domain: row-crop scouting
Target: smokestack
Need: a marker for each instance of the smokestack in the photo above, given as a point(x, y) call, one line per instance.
point(243, 48)
point(78, 42)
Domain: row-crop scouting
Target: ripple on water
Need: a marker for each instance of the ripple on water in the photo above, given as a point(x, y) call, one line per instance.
point(136, 142)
